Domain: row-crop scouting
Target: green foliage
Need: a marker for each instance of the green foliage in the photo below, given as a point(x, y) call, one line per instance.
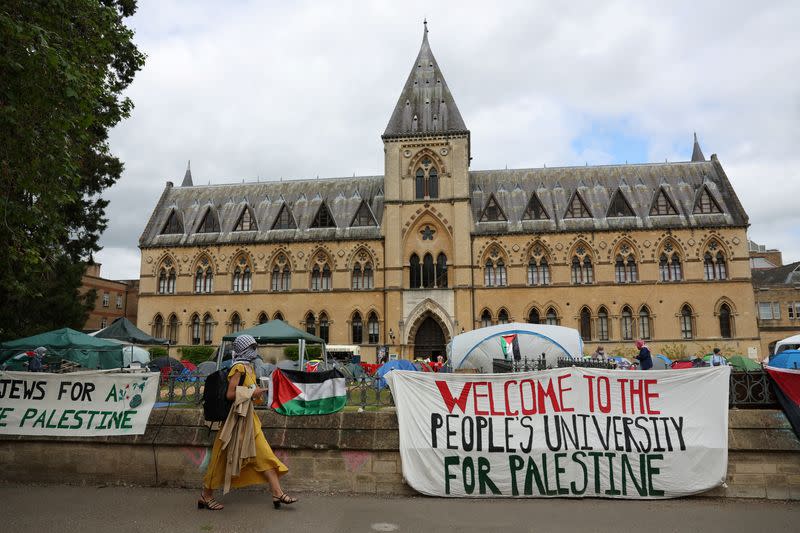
point(63, 69)
point(628, 351)
point(675, 351)
point(157, 351)
point(704, 349)
point(197, 354)
point(291, 352)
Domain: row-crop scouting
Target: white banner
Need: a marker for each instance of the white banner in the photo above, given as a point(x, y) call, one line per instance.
point(85, 404)
point(567, 432)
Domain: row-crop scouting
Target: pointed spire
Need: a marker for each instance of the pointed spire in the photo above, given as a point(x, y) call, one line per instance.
point(697, 153)
point(425, 95)
point(187, 178)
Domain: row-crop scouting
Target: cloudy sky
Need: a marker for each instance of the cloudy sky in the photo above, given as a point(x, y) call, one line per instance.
point(267, 90)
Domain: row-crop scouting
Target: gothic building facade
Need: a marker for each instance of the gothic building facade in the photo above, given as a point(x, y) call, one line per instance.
point(432, 248)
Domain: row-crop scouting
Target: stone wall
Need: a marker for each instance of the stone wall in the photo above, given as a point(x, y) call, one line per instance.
point(347, 452)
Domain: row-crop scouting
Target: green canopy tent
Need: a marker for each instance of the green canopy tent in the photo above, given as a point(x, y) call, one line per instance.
point(66, 343)
point(744, 364)
point(123, 329)
point(274, 332)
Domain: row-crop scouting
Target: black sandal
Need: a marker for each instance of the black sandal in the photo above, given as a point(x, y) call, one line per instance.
point(283, 498)
point(211, 504)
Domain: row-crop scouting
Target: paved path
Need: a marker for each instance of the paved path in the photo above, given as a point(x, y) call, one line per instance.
point(52, 509)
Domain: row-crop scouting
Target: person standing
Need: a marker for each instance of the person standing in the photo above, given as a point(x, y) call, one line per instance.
point(241, 455)
point(717, 359)
point(599, 353)
point(36, 364)
point(644, 357)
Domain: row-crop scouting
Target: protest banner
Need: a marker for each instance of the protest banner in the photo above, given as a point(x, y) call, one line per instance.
point(85, 404)
point(567, 432)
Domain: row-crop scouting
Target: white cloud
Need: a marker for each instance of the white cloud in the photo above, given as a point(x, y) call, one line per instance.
point(253, 89)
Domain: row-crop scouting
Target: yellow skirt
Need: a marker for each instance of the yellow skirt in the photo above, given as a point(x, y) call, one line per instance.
point(252, 472)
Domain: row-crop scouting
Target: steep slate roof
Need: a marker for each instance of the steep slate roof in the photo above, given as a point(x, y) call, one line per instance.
point(782, 275)
point(343, 197)
point(425, 104)
point(596, 185)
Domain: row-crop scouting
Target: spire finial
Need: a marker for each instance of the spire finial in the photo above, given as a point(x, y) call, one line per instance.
point(697, 153)
point(425, 30)
point(187, 178)
point(189, 165)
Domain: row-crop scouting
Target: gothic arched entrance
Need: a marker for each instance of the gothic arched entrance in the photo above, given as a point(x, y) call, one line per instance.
point(429, 340)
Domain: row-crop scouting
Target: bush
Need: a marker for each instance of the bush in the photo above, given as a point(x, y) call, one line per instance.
point(157, 351)
point(291, 352)
point(197, 354)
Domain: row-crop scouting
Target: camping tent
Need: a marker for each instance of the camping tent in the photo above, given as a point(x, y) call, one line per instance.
point(478, 348)
point(123, 329)
point(789, 343)
point(87, 351)
point(275, 332)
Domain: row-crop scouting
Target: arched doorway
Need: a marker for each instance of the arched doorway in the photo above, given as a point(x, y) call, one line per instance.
point(429, 339)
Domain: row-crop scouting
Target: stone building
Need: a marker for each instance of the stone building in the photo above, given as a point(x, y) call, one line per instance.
point(433, 248)
point(114, 299)
point(777, 295)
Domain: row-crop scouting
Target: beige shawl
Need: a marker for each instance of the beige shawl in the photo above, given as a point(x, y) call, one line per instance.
point(238, 435)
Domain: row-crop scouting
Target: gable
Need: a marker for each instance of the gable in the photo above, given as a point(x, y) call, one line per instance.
point(173, 225)
point(662, 204)
point(706, 204)
point(363, 216)
point(577, 208)
point(209, 223)
point(323, 218)
point(284, 220)
point(247, 221)
point(492, 212)
point(535, 210)
point(619, 206)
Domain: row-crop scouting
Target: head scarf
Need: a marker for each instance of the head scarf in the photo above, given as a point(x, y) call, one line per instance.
point(640, 344)
point(40, 351)
point(245, 349)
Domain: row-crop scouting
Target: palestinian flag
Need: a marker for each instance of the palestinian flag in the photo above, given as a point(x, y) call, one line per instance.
point(295, 393)
point(510, 345)
point(787, 389)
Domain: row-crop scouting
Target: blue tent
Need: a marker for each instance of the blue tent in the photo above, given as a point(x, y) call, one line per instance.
point(786, 359)
point(398, 364)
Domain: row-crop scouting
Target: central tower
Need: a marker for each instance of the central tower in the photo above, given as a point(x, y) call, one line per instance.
point(427, 219)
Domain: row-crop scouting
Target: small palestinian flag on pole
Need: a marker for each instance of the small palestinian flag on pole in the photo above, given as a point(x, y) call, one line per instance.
point(510, 345)
point(295, 393)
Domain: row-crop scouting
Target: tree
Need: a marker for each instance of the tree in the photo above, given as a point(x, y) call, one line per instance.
point(64, 65)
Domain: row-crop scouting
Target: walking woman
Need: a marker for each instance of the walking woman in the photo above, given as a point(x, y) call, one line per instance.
point(644, 357)
point(241, 455)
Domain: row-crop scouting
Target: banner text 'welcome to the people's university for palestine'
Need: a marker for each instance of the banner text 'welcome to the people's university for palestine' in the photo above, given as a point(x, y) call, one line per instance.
point(569, 432)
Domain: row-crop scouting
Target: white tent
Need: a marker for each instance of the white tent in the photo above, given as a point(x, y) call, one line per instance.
point(478, 348)
point(789, 343)
point(130, 353)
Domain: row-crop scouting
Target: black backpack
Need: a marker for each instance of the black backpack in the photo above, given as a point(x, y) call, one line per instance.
point(216, 405)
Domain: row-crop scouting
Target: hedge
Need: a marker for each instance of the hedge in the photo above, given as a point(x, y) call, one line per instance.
point(291, 352)
point(197, 354)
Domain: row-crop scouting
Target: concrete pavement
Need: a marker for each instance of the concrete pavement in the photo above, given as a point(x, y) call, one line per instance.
point(51, 509)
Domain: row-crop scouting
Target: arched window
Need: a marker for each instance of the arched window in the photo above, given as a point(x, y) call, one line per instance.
point(158, 326)
point(433, 183)
point(544, 271)
point(172, 329)
point(676, 270)
point(441, 271)
point(533, 316)
point(582, 268)
point(687, 329)
point(208, 285)
point(501, 278)
point(357, 328)
point(619, 270)
point(316, 273)
point(281, 274)
point(586, 324)
point(488, 274)
point(369, 278)
point(357, 276)
point(538, 267)
point(324, 328)
point(427, 271)
point(551, 317)
point(242, 279)
point(502, 317)
point(326, 278)
point(644, 323)
point(722, 269)
point(725, 322)
point(162, 281)
point(426, 181)
point(171, 281)
point(372, 328)
point(278, 316)
point(311, 325)
point(602, 324)
point(195, 327)
point(626, 323)
point(236, 323)
point(486, 318)
point(714, 264)
point(533, 272)
point(625, 270)
point(208, 329)
point(198, 280)
point(263, 318)
point(414, 272)
point(494, 274)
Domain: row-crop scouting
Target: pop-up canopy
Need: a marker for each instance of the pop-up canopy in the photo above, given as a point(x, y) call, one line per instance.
point(123, 329)
point(87, 351)
point(478, 348)
point(275, 332)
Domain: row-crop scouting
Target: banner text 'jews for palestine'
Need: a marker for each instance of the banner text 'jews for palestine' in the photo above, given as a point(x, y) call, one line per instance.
point(568, 432)
point(87, 404)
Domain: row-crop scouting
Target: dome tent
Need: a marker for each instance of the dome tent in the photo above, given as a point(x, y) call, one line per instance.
point(477, 349)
